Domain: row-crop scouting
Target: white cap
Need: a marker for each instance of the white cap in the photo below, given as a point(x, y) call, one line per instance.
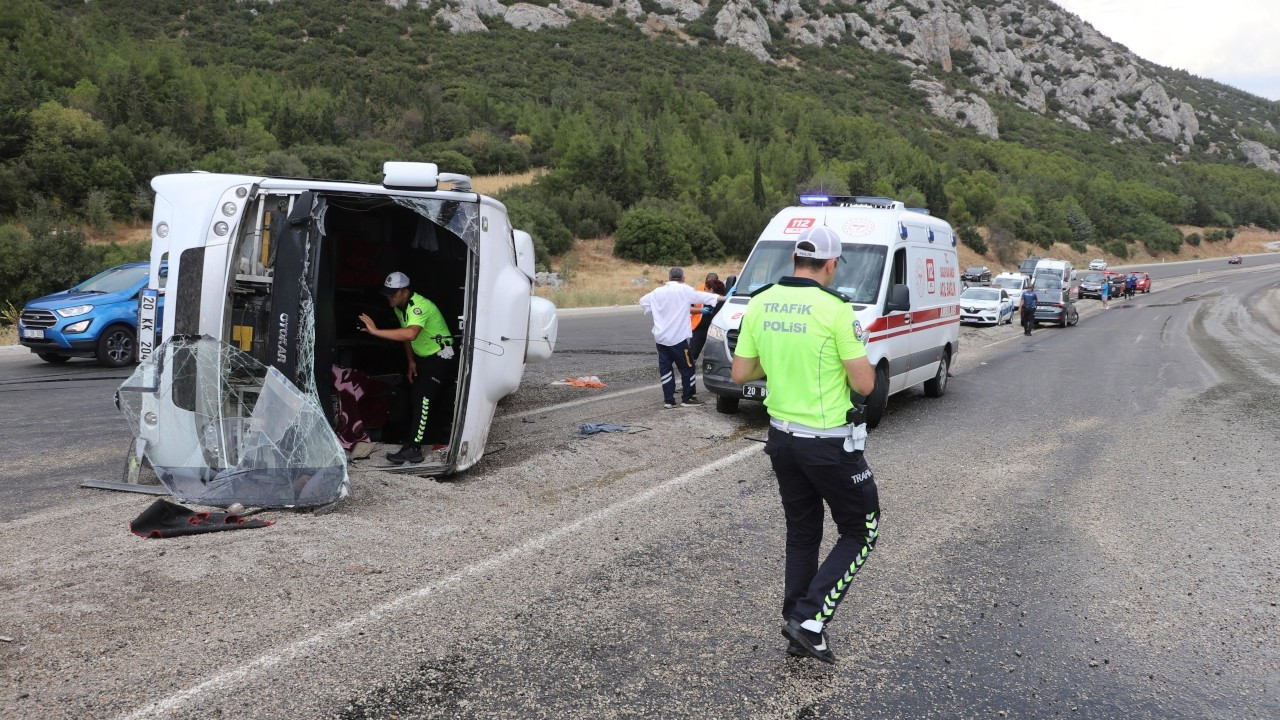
point(394, 282)
point(824, 240)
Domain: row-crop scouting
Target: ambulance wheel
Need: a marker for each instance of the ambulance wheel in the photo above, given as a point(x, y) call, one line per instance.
point(937, 387)
point(726, 405)
point(879, 398)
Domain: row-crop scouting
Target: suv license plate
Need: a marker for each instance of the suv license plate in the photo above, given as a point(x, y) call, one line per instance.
point(32, 334)
point(754, 391)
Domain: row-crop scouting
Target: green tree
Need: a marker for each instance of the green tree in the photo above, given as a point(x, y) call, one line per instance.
point(651, 237)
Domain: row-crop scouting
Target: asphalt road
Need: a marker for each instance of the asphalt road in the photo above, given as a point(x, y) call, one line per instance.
point(1086, 525)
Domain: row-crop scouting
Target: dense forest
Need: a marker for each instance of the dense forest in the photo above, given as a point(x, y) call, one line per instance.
point(684, 151)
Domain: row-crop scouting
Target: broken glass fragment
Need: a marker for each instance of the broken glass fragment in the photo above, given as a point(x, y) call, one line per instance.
point(219, 428)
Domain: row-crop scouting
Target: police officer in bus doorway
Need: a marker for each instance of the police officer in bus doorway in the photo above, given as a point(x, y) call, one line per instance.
point(428, 345)
point(801, 335)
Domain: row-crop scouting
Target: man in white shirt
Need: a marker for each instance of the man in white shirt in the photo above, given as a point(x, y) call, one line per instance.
point(669, 307)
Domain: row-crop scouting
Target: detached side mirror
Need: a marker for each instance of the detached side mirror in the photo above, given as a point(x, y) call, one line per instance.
point(899, 299)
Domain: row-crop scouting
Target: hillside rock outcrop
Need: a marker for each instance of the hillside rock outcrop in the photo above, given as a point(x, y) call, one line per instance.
point(1034, 54)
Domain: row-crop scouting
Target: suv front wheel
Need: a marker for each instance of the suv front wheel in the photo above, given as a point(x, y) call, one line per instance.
point(116, 346)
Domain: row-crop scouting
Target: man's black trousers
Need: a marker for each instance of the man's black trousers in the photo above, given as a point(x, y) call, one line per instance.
point(811, 471)
point(1028, 320)
point(426, 386)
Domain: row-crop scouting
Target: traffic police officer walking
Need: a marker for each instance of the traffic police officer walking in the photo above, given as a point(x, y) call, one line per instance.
point(428, 344)
point(801, 335)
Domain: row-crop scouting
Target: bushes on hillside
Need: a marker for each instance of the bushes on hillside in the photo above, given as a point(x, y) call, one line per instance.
point(971, 239)
point(52, 256)
point(1117, 248)
point(1193, 239)
point(652, 237)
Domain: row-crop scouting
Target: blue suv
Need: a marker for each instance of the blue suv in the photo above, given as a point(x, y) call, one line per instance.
point(96, 319)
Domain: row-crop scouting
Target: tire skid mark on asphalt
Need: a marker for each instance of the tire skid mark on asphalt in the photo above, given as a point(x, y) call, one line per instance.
point(478, 569)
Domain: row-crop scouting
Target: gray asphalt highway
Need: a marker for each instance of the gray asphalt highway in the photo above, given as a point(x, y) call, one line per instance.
point(1086, 525)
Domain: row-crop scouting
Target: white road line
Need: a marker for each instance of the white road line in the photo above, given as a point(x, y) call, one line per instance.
point(230, 678)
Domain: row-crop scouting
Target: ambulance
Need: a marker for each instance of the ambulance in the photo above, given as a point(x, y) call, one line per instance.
point(901, 275)
point(280, 270)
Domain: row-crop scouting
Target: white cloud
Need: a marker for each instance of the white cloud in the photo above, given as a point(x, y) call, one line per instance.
point(1232, 41)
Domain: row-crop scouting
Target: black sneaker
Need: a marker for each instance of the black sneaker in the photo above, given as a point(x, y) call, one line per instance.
point(407, 454)
point(692, 402)
point(814, 644)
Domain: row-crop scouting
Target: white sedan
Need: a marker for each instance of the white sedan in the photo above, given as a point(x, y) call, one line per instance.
point(985, 305)
point(1098, 264)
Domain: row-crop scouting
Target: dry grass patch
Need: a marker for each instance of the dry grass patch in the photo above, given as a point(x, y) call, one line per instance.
point(490, 184)
point(8, 335)
point(595, 278)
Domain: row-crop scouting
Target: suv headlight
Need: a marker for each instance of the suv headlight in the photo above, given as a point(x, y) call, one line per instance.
point(716, 333)
point(74, 310)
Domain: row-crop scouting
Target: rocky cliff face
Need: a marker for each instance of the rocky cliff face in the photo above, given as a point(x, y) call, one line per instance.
point(1029, 51)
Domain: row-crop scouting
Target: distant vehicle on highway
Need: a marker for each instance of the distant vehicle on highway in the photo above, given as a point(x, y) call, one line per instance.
point(1052, 274)
point(1097, 264)
point(96, 319)
point(1055, 306)
point(985, 305)
point(1144, 282)
point(1014, 284)
point(1091, 285)
point(976, 274)
point(1236, 260)
point(1028, 266)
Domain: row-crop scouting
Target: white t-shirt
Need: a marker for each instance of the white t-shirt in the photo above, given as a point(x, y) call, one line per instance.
point(669, 306)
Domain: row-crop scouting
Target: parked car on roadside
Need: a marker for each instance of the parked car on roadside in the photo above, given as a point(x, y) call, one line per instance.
point(976, 274)
point(1117, 284)
point(1091, 285)
point(985, 305)
point(96, 319)
point(1055, 306)
point(1028, 266)
point(1144, 282)
point(1014, 284)
point(1097, 264)
point(1237, 260)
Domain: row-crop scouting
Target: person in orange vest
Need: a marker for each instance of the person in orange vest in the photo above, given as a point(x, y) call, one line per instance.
point(695, 310)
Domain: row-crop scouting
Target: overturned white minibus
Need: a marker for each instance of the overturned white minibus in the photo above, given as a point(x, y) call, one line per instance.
point(280, 269)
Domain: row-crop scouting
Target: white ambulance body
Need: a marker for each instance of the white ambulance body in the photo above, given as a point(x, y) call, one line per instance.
point(901, 274)
point(281, 268)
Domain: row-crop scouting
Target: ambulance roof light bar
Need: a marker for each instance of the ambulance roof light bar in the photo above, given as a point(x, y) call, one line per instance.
point(846, 200)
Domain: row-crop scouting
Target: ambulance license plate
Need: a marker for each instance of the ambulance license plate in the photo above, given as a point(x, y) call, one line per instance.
point(32, 334)
point(754, 391)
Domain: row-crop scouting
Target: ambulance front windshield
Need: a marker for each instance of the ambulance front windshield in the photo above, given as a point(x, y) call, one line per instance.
point(858, 275)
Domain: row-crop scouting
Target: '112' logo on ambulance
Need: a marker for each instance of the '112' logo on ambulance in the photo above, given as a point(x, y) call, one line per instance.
point(930, 276)
point(798, 225)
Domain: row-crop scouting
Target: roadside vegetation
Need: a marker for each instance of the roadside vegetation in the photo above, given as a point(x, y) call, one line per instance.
point(679, 152)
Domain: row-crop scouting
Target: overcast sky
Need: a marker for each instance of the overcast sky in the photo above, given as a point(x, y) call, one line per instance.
point(1231, 41)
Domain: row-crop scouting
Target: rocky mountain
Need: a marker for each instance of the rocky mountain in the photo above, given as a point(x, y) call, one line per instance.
point(966, 57)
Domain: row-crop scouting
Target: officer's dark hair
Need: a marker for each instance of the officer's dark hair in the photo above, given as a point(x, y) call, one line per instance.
point(807, 263)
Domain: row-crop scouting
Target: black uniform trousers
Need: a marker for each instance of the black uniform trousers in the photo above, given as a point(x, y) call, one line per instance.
point(676, 356)
point(811, 471)
point(426, 386)
point(1028, 320)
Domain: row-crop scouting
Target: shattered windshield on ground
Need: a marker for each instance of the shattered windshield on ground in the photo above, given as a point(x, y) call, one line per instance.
point(219, 428)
